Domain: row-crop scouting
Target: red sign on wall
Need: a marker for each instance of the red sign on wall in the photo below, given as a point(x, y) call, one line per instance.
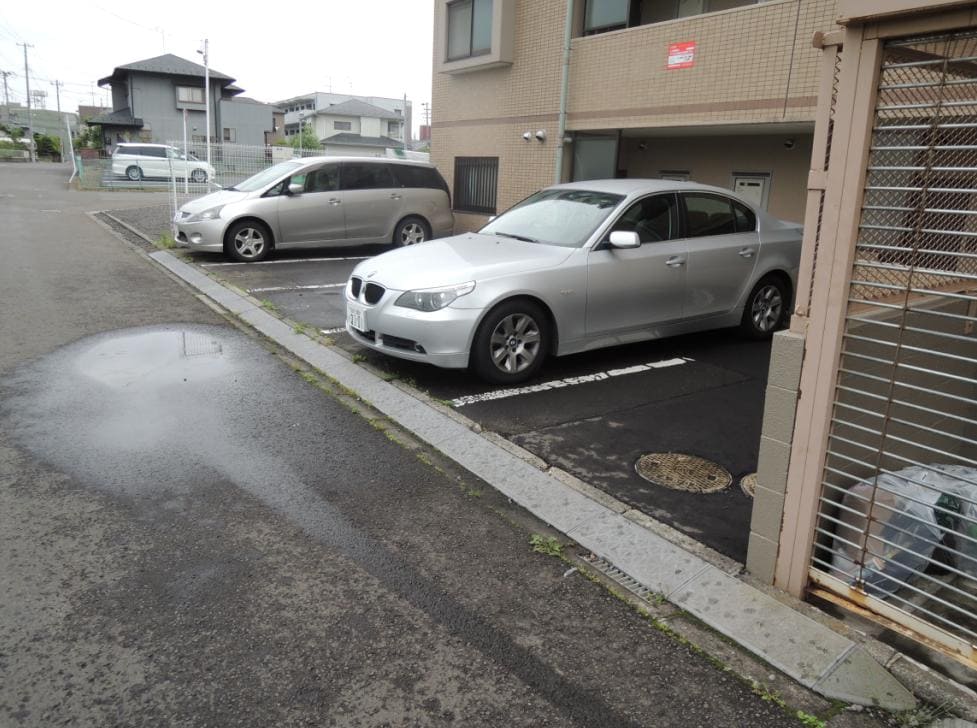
point(681, 55)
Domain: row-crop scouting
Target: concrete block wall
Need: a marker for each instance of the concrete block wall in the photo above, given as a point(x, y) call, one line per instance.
point(776, 439)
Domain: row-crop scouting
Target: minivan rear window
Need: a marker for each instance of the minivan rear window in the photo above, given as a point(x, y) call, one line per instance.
point(409, 175)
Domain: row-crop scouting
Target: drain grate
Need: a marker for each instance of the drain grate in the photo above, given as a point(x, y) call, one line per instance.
point(614, 573)
point(748, 484)
point(683, 472)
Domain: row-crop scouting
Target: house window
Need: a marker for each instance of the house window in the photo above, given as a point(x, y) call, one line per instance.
point(343, 125)
point(230, 135)
point(601, 16)
point(476, 182)
point(469, 28)
point(189, 95)
point(393, 127)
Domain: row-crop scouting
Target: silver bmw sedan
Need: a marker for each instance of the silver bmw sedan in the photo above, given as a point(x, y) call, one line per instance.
point(576, 267)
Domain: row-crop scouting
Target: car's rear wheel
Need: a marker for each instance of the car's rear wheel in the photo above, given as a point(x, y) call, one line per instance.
point(248, 241)
point(410, 231)
point(134, 173)
point(766, 308)
point(198, 175)
point(511, 343)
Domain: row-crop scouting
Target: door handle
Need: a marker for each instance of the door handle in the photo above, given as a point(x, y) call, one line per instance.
point(676, 261)
point(394, 196)
point(746, 252)
point(334, 201)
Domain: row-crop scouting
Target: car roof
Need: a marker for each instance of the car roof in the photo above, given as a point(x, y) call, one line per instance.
point(631, 186)
point(140, 144)
point(349, 158)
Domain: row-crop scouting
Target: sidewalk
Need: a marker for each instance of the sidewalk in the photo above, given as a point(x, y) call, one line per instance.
point(817, 653)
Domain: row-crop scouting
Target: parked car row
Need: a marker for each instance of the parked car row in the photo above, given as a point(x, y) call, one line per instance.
point(571, 268)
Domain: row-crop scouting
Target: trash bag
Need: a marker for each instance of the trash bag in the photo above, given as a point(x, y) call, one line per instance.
point(914, 510)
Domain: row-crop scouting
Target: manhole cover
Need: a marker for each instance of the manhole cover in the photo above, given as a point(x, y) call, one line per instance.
point(683, 472)
point(748, 484)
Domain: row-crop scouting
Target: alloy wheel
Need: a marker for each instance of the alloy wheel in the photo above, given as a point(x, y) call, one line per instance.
point(515, 343)
point(249, 242)
point(767, 308)
point(412, 233)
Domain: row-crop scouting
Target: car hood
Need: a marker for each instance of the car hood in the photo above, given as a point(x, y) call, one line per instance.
point(459, 259)
point(221, 197)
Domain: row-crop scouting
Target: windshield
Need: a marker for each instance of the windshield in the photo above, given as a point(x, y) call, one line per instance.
point(556, 217)
point(266, 176)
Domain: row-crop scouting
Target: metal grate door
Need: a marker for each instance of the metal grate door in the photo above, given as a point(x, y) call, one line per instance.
point(897, 523)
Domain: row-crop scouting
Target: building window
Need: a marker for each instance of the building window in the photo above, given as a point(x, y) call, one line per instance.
point(601, 16)
point(343, 125)
point(476, 182)
point(189, 95)
point(230, 135)
point(469, 28)
point(393, 127)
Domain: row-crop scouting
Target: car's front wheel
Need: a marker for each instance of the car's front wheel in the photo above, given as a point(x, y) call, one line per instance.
point(511, 343)
point(198, 175)
point(248, 241)
point(134, 173)
point(410, 231)
point(766, 308)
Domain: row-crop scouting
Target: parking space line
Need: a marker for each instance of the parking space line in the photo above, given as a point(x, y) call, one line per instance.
point(295, 288)
point(568, 382)
point(279, 262)
point(327, 332)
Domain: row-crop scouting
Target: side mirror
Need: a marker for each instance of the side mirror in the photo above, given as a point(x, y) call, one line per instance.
point(625, 239)
point(296, 189)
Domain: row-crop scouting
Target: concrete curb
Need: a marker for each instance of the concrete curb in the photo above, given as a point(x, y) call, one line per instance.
point(804, 649)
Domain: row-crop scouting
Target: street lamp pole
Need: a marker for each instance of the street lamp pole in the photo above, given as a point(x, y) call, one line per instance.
point(206, 55)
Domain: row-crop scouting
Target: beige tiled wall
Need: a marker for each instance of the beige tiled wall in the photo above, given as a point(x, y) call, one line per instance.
point(712, 160)
point(753, 65)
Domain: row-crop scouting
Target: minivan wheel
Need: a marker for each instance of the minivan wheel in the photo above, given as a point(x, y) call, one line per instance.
point(134, 173)
point(248, 241)
point(766, 308)
point(511, 343)
point(198, 175)
point(410, 231)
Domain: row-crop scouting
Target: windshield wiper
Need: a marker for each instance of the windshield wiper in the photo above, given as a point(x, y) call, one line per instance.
point(523, 238)
point(232, 187)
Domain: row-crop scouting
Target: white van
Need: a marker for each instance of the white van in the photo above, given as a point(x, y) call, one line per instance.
point(138, 161)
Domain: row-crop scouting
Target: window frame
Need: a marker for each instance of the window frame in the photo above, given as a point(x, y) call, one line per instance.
point(195, 89)
point(461, 197)
point(336, 125)
point(472, 53)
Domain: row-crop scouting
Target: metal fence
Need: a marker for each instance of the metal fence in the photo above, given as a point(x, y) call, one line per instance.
point(897, 526)
point(232, 163)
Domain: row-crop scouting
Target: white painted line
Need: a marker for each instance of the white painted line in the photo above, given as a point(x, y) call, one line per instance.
point(296, 288)
point(327, 332)
point(279, 262)
point(568, 382)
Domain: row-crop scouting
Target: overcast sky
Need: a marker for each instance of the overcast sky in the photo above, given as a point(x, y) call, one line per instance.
point(275, 51)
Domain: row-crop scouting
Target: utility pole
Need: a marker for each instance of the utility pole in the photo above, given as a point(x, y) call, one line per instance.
point(57, 93)
point(6, 96)
point(30, 119)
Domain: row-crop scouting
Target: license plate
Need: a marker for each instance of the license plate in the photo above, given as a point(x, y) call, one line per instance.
point(356, 317)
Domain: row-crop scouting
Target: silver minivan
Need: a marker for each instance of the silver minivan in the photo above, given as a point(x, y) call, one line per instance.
point(319, 202)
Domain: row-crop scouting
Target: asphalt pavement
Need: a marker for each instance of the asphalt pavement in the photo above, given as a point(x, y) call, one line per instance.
point(192, 534)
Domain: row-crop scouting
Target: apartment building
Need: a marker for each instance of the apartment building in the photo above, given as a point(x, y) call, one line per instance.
point(716, 91)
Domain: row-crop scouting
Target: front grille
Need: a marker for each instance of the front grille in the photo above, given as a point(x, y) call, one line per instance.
point(372, 293)
point(356, 283)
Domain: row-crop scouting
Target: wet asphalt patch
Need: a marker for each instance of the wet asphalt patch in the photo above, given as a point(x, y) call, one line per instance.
point(150, 415)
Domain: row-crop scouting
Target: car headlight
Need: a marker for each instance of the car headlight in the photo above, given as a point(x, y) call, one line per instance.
point(210, 214)
point(434, 299)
